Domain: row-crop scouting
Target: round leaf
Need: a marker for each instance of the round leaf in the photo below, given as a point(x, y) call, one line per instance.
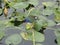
point(47, 11)
point(13, 39)
point(38, 36)
point(39, 24)
point(51, 23)
point(20, 5)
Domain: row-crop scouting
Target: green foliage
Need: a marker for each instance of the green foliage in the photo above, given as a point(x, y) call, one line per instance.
point(57, 15)
point(0, 11)
point(37, 36)
point(51, 23)
point(49, 4)
point(56, 10)
point(57, 33)
point(2, 25)
point(35, 11)
point(30, 21)
point(47, 11)
point(20, 5)
point(2, 34)
point(34, 2)
point(39, 24)
point(14, 39)
point(21, 16)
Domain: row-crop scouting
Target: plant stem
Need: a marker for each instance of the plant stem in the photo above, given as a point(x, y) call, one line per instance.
point(30, 11)
point(33, 37)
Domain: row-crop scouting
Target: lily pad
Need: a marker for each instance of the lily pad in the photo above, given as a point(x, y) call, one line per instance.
point(38, 36)
point(39, 24)
point(47, 11)
point(13, 39)
point(2, 34)
point(20, 5)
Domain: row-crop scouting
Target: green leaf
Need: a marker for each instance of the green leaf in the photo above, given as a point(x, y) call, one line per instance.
point(8, 23)
point(57, 16)
point(2, 25)
point(40, 17)
point(57, 33)
point(14, 39)
point(34, 2)
point(20, 5)
point(49, 4)
point(2, 34)
point(47, 11)
point(21, 16)
point(38, 36)
point(39, 24)
point(0, 11)
point(51, 23)
point(58, 40)
point(35, 12)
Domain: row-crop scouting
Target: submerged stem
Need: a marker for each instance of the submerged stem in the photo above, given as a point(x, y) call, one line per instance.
point(33, 37)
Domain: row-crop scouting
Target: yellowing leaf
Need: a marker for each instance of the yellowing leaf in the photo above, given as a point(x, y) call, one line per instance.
point(29, 26)
point(5, 11)
point(5, 1)
point(15, 0)
point(24, 35)
point(57, 16)
point(38, 36)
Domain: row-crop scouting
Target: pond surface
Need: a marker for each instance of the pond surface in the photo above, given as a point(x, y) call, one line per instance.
point(49, 34)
